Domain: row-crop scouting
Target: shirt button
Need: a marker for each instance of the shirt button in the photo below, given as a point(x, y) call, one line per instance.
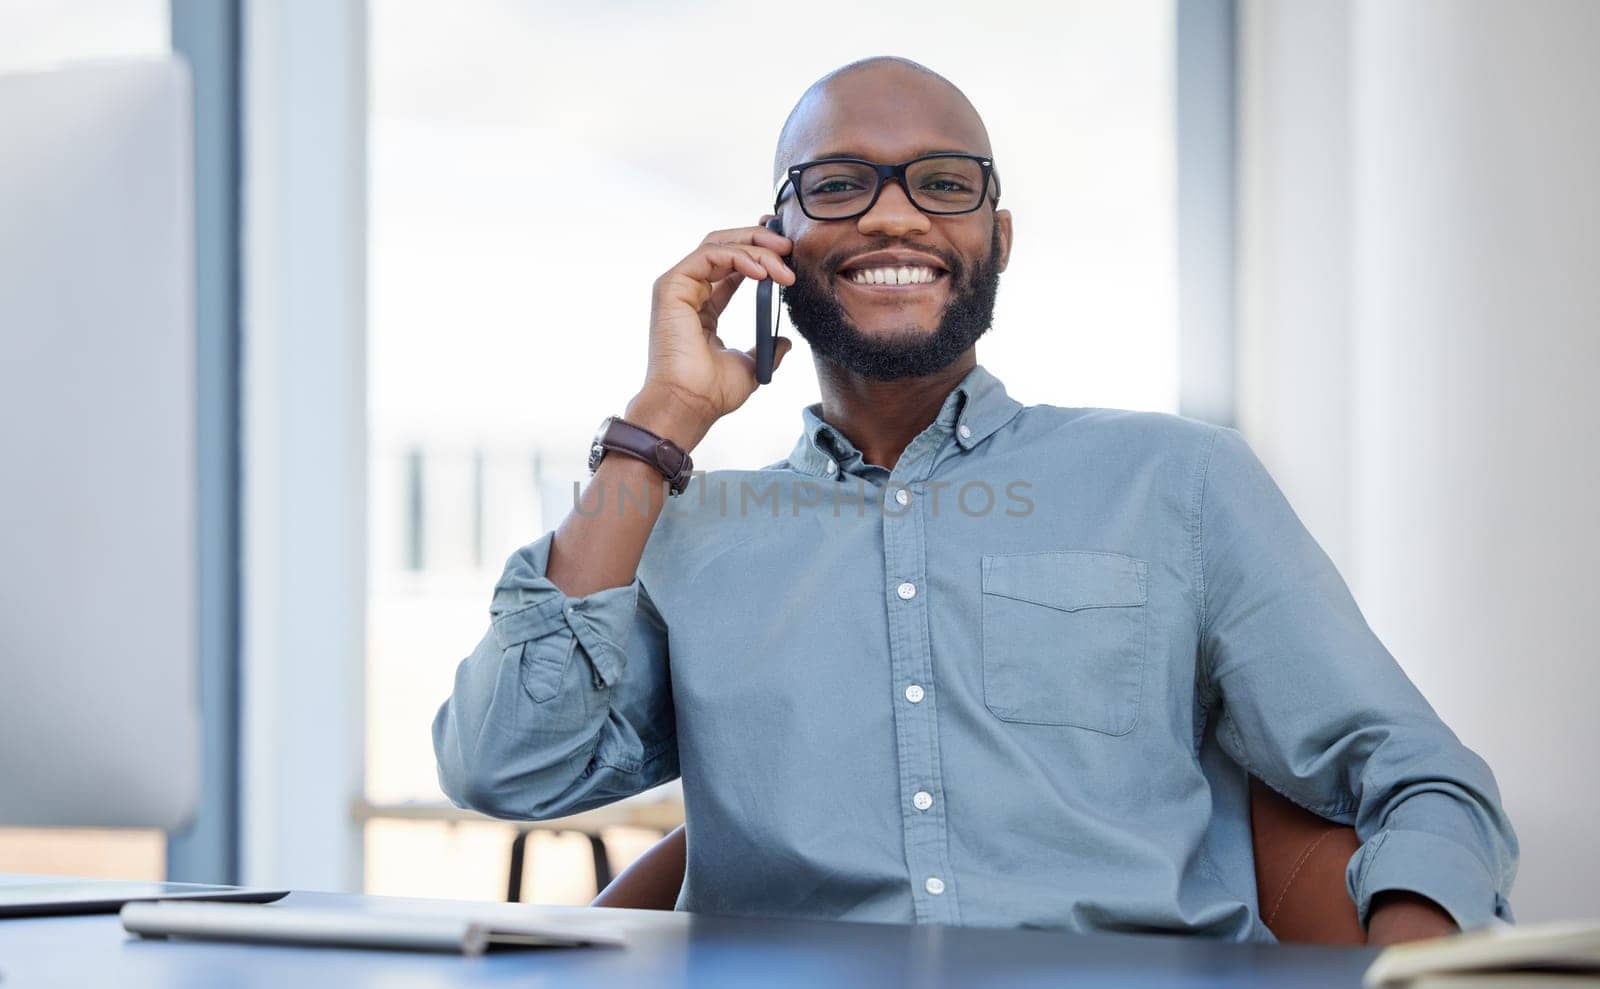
point(907, 591)
point(934, 885)
point(964, 431)
point(922, 800)
point(903, 496)
point(831, 467)
point(914, 694)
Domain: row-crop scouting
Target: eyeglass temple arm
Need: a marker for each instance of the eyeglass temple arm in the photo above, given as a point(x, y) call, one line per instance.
point(777, 193)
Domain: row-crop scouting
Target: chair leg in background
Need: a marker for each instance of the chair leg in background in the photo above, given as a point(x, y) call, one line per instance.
point(602, 863)
point(519, 853)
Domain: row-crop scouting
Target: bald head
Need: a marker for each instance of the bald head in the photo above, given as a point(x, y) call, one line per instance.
point(877, 95)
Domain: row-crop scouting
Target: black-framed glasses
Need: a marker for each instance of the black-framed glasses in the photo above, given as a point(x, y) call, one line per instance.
point(845, 188)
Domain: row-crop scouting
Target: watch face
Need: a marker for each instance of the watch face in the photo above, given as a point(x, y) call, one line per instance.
point(596, 450)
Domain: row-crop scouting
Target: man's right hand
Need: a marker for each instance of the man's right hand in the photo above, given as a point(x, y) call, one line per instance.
point(693, 378)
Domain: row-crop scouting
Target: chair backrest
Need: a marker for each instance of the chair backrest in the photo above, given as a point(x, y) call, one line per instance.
point(1300, 863)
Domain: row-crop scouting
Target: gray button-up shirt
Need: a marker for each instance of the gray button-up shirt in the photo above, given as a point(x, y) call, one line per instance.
point(1020, 679)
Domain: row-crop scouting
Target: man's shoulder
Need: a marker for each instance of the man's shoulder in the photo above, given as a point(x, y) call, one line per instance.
point(716, 502)
point(719, 510)
point(1163, 431)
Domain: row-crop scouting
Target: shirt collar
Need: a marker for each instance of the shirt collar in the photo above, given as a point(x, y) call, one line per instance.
point(975, 408)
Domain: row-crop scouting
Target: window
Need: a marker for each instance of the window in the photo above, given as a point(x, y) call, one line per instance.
point(41, 34)
point(535, 166)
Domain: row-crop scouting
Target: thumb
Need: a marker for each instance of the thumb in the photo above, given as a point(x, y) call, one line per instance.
point(781, 346)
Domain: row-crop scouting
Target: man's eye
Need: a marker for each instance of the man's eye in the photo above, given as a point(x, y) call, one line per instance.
point(946, 185)
point(834, 186)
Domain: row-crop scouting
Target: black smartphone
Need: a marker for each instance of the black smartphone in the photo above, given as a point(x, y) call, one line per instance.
point(766, 320)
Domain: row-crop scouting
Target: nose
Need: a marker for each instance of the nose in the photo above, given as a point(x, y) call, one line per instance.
point(893, 215)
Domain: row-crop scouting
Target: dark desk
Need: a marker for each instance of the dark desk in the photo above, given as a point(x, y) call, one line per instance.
point(669, 949)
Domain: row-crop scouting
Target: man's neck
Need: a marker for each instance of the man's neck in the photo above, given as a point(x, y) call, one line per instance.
point(882, 417)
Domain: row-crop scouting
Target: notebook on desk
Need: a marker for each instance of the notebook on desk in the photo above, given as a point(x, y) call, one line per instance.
point(1534, 955)
point(449, 930)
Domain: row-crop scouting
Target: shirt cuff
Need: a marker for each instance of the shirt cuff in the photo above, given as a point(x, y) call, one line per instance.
point(528, 606)
point(1426, 864)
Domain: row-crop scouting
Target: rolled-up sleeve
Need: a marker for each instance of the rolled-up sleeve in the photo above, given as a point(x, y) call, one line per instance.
point(565, 704)
point(1315, 706)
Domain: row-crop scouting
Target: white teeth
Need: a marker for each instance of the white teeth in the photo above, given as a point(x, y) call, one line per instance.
point(893, 276)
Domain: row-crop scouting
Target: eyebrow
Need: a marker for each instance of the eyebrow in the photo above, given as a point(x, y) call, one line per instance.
point(848, 153)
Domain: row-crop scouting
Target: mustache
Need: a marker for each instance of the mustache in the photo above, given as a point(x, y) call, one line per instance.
point(834, 260)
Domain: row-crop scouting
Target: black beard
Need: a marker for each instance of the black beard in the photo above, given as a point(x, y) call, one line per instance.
point(908, 353)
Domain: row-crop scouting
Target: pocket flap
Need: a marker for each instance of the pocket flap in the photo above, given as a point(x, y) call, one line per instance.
point(544, 665)
point(1067, 579)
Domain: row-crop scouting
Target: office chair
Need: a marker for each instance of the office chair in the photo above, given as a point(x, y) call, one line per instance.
point(1300, 863)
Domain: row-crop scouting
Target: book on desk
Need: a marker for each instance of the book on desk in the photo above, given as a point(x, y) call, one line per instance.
point(1537, 956)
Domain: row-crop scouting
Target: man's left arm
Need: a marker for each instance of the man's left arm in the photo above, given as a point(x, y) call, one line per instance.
point(1315, 706)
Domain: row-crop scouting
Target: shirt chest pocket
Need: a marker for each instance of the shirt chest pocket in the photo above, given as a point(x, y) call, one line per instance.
point(1064, 638)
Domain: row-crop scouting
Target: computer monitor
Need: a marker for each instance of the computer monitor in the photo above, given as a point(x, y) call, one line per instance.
point(99, 720)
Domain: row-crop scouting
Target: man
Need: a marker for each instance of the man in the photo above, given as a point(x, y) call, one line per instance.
point(954, 660)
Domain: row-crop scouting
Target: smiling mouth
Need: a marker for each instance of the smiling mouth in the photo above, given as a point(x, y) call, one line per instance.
point(889, 276)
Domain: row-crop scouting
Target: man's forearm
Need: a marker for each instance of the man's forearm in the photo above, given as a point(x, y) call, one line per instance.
point(1398, 915)
point(600, 543)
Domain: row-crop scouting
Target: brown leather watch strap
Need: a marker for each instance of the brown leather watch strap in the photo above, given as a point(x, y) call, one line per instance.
point(617, 433)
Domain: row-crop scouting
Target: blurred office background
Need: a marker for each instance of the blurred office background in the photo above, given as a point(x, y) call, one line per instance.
point(1366, 233)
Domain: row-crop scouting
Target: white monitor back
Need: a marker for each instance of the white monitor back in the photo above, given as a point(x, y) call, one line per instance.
point(98, 693)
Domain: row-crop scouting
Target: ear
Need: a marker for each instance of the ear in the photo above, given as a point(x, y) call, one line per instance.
point(1002, 219)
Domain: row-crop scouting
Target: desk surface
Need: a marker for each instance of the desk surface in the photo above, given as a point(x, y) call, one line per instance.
point(673, 949)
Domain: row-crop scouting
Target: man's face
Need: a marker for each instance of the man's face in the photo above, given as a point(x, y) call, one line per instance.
point(890, 114)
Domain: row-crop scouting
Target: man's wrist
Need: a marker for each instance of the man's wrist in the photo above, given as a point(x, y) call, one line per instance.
point(668, 416)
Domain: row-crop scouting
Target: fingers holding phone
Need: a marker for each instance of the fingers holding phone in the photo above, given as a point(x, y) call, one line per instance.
point(687, 357)
point(723, 290)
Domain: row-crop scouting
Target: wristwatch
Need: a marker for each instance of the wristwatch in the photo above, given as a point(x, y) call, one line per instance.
point(617, 433)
